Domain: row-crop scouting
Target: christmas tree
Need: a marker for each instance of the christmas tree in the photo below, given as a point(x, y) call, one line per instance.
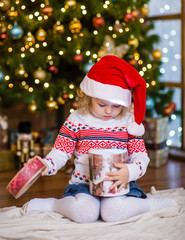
point(47, 47)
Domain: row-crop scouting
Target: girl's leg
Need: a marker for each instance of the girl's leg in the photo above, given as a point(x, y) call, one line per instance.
point(40, 204)
point(123, 207)
point(82, 208)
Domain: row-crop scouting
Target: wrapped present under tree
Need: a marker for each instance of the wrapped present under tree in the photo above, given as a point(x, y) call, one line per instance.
point(155, 138)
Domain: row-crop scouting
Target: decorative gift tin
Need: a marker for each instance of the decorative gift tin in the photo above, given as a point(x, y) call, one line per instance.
point(101, 161)
point(26, 177)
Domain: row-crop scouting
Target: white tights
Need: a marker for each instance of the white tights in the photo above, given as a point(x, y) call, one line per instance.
point(84, 208)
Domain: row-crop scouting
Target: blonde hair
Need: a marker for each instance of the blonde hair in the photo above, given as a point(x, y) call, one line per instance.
point(84, 104)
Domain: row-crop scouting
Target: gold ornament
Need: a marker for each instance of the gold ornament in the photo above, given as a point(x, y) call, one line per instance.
point(51, 104)
point(40, 74)
point(70, 4)
point(60, 100)
point(109, 48)
point(133, 41)
point(156, 54)
point(136, 56)
point(12, 13)
point(58, 27)
point(135, 13)
point(32, 107)
point(145, 10)
point(3, 27)
point(20, 71)
point(29, 39)
point(75, 26)
point(4, 5)
point(41, 35)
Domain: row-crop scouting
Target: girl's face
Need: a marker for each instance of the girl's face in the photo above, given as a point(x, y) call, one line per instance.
point(105, 110)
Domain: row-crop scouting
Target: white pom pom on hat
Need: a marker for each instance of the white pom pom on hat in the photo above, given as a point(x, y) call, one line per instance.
point(112, 79)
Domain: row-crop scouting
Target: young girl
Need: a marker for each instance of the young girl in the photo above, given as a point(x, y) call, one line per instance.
point(103, 120)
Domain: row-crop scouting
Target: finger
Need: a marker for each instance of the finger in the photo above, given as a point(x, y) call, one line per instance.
point(119, 165)
point(114, 173)
point(36, 156)
point(114, 178)
point(29, 160)
point(122, 186)
point(116, 184)
point(45, 171)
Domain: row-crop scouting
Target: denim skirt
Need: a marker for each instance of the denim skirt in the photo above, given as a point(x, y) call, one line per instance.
point(73, 189)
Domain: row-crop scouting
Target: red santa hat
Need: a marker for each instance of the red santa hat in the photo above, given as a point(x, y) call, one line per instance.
point(112, 79)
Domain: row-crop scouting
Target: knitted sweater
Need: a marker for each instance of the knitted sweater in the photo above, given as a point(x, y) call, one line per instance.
point(81, 133)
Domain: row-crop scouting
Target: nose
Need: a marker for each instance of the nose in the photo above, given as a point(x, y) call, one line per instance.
point(108, 110)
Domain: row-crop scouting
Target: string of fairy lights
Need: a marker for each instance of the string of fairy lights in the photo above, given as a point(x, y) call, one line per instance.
point(170, 31)
point(32, 43)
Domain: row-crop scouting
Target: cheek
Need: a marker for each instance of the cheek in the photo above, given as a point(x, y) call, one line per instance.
point(99, 110)
point(96, 109)
point(93, 106)
point(118, 111)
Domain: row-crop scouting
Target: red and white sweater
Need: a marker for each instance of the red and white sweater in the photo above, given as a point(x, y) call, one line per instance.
point(81, 133)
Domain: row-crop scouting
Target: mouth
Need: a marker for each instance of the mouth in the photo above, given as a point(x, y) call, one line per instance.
point(107, 117)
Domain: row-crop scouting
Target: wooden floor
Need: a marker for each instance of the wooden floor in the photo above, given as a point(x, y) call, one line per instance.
point(171, 175)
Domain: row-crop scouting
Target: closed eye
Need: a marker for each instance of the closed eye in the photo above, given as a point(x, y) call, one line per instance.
point(116, 106)
point(101, 105)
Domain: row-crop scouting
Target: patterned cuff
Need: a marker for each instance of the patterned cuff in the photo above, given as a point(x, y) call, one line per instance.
point(51, 165)
point(135, 171)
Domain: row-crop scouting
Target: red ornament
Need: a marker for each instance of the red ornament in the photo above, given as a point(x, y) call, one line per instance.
point(168, 111)
point(133, 62)
point(169, 108)
point(53, 69)
point(65, 95)
point(128, 17)
point(3, 38)
point(74, 104)
point(172, 105)
point(78, 58)
point(98, 22)
point(47, 11)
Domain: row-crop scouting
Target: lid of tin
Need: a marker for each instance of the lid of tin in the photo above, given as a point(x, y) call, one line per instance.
point(104, 151)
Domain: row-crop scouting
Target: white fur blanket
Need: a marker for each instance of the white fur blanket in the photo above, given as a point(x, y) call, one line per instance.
point(165, 224)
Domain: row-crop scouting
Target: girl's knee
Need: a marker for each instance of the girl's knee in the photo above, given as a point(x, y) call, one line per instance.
point(86, 209)
point(86, 214)
point(112, 210)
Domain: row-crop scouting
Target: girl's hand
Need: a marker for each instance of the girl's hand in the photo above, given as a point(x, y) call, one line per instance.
point(47, 167)
point(120, 177)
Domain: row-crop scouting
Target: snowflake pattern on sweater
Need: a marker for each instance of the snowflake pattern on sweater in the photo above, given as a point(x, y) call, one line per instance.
point(80, 134)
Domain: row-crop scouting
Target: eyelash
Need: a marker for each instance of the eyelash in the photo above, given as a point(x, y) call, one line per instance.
point(102, 105)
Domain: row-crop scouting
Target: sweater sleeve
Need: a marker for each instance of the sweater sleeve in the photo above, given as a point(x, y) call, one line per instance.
point(63, 148)
point(138, 158)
